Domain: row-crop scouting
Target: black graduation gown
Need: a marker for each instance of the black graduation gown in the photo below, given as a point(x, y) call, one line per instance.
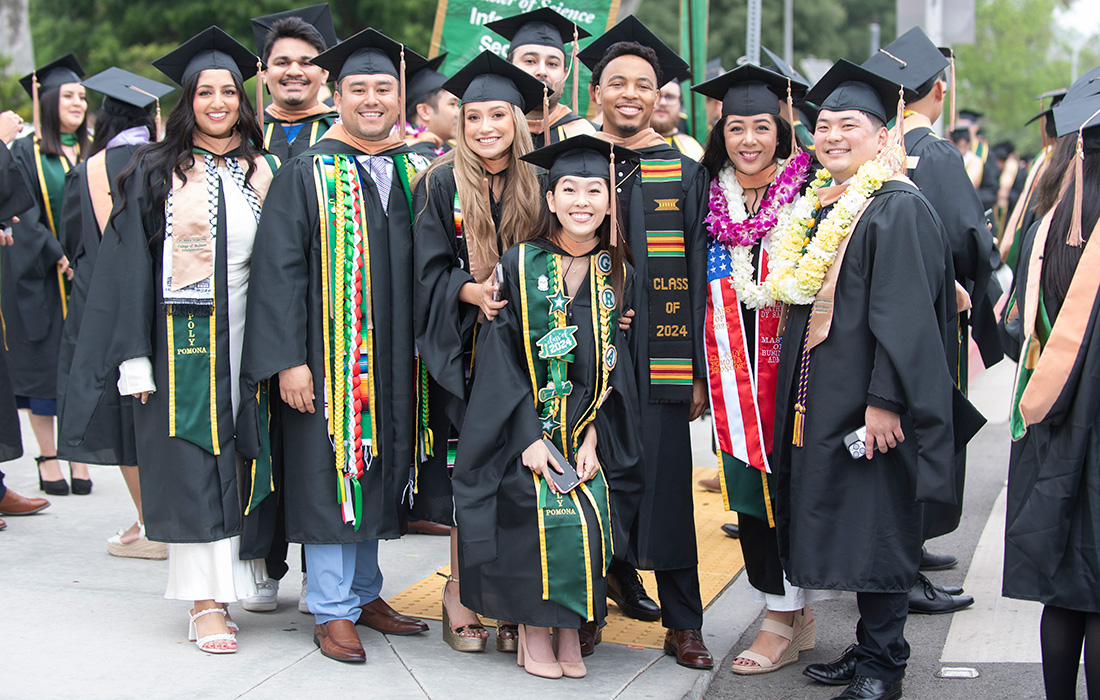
point(444, 332)
point(284, 330)
point(189, 495)
point(1052, 530)
point(942, 179)
point(109, 438)
point(555, 134)
point(663, 536)
point(495, 499)
point(275, 136)
point(30, 295)
point(15, 198)
point(856, 524)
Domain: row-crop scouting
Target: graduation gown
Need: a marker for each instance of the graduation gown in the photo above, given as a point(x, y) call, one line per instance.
point(444, 329)
point(285, 330)
point(663, 535)
point(189, 494)
point(15, 197)
point(30, 287)
point(313, 128)
point(936, 167)
point(495, 495)
point(1052, 530)
point(109, 438)
point(856, 524)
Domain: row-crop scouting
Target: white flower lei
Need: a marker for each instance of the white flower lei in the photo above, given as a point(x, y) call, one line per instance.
point(749, 293)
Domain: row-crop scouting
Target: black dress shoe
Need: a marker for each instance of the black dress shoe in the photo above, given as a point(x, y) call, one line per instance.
point(591, 635)
point(936, 562)
point(866, 688)
point(624, 586)
point(927, 599)
point(732, 530)
point(839, 671)
point(949, 590)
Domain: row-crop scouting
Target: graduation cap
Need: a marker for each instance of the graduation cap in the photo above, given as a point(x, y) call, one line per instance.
point(670, 66)
point(370, 52)
point(1055, 97)
point(911, 60)
point(713, 68)
point(848, 86)
point(317, 16)
point(788, 71)
point(210, 49)
point(543, 27)
point(425, 81)
point(748, 90)
point(583, 156)
point(53, 75)
point(1080, 114)
point(489, 77)
point(128, 94)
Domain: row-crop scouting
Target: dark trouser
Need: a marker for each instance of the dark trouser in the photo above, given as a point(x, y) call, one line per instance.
point(681, 604)
point(276, 555)
point(3, 489)
point(882, 651)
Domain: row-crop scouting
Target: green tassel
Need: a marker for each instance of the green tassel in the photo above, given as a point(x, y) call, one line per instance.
point(357, 498)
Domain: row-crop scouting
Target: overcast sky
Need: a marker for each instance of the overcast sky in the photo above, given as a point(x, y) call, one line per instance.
point(1083, 17)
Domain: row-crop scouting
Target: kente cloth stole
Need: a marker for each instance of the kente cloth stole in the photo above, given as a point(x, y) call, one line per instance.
point(548, 345)
point(742, 399)
point(191, 211)
point(51, 184)
point(670, 332)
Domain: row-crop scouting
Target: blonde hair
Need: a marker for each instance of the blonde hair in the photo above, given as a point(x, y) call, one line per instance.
point(519, 201)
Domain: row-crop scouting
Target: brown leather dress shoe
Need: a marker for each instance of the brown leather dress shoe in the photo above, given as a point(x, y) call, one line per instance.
point(688, 648)
point(338, 640)
point(14, 504)
point(378, 615)
point(711, 485)
point(426, 527)
point(591, 635)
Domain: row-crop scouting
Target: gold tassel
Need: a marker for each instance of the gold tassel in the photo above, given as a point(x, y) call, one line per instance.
point(799, 424)
point(259, 95)
point(573, 67)
point(1074, 238)
point(954, 116)
point(159, 124)
point(790, 111)
point(404, 124)
point(612, 201)
point(545, 116)
point(36, 112)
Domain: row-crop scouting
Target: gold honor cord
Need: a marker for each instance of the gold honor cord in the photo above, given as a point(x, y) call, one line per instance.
point(49, 213)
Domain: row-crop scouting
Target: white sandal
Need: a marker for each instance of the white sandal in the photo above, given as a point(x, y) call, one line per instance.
point(141, 548)
point(201, 642)
point(763, 663)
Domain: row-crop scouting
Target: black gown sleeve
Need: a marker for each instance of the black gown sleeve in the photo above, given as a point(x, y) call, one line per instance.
point(906, 265)
point(501, 398)
point(443, 324)
point(69, 232)
point(15, 197)
point(118, 315)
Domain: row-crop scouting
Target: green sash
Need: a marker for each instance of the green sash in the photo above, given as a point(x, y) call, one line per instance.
point(670, 331)
point(1029, 358)
point(743, 489)
point(564, 536)
point(192, 357)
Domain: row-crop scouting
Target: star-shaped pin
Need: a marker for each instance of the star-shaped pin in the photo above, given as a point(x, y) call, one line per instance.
point(550, 424)
point(558, 301)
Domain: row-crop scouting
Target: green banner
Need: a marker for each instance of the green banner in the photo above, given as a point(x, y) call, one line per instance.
point(459, 30)
point(693, 49)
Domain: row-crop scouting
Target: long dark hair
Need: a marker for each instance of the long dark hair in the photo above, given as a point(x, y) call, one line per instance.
point(547, 225)
point(173, 156)
point(1050, 184)
point(1060, 259)
point(109, 124)
point(49, 109)
point(715, 156)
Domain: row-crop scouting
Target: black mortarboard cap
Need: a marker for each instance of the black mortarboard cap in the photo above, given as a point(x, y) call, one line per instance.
point(425, 81)
point(317, 16)
point(489, 77)
point(370, 52)
point(713, 68)
point(970, 115)
point(54, 74)
point(747, 90)
point(1073, 114)
point(543, 27)
point(579, 156)
point(124, 92)
point(787, 70)
point(1055, 97)
point(1085, 86)
point(210, 49)
point(848, 86)
point(671, 66)
point(911, 60)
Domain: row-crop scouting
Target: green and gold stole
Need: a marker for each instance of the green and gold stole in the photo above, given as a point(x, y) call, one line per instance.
point(670, 331)
point(51, 185)
point(567, 576)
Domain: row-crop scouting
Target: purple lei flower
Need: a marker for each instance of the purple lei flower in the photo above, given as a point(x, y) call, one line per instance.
point(747, 232)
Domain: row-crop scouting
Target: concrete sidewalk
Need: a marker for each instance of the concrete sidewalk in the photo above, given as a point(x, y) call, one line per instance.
point(83, 624)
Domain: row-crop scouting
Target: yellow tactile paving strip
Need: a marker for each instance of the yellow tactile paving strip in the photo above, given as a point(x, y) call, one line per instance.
point(720, 560)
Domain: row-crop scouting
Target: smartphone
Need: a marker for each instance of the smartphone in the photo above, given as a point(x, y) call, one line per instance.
point(568, 479)
point(856, 443)
point(498, 276)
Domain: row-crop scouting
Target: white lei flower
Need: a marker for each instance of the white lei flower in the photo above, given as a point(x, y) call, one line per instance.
point(749, 293)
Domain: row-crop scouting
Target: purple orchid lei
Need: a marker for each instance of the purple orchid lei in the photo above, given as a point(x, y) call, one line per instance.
point(752, 229)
